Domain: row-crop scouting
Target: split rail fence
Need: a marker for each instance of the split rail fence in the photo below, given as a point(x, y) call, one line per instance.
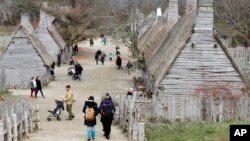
point(17, 119)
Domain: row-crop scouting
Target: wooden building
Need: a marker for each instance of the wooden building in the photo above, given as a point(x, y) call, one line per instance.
point(193, 75)
point(50, 37)
point(25, 56)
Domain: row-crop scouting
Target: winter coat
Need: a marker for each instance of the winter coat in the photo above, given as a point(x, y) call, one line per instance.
point(93, 105)
point(119, 61)
point(69, 98)
point(38, 85)
point(102, 106)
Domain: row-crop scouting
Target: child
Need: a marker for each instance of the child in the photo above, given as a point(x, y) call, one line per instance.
point(110, 56)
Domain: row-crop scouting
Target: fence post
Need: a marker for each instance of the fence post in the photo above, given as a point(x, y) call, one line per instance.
point(9, 129)
point(14, 121)
point(1, 131)
point(30, 122)
point(141, 131)
point(26, 123)
point(37, 116)
point(131, 110)
point(134, 134)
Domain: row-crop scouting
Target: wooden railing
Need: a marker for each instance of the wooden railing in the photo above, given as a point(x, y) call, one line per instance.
point(17, 119)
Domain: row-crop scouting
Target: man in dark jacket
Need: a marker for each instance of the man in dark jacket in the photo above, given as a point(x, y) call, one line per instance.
point(39, 86)
point(129, 66)
point(59, 59)
point(78, 69)
point(107, 110)
point(91, 111)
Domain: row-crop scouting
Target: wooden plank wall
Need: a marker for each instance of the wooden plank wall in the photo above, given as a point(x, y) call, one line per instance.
point(241, 56)
point(21, 61)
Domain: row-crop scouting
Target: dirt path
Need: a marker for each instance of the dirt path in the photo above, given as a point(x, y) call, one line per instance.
point(97, 80)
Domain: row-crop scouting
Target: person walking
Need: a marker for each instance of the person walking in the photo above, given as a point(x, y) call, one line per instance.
point(110, 56)
point(96, 58)
point(75, 49)
point(119, 62)
point(33, 87)
point(103, 56)
point(91, 42)
point(90, 110)
point(117, 48)
point(104, 39)
point(59, 59)
point(129, 66)
point(69, 102)
point(53, 65)
point(39, 86)
point(107, 110)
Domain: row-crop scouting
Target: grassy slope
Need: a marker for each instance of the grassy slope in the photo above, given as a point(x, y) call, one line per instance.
point(191, 131)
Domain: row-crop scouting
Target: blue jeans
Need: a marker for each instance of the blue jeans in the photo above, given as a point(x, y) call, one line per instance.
point(91, 132)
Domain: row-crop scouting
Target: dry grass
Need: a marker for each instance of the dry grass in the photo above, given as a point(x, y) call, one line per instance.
point(7, 29)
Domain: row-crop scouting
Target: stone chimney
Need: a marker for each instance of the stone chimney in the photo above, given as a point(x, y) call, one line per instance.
point(25, 17)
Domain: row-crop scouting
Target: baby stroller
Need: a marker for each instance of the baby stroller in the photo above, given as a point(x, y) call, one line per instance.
point(57, 111)
point(71, 71)
point(75, 76)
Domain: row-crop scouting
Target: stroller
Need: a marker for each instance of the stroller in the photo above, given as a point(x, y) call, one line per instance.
point(71, 71)
point(57, 111)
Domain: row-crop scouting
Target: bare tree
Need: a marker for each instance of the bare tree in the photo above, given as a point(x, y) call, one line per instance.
point(235, 13)
point(129, 20)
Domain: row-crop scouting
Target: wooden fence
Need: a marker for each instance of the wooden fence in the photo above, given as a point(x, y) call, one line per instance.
point(131, 114)
point(17, 119)
point(241, 56)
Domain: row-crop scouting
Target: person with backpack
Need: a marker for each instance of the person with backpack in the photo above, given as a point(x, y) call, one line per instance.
point(90, 110)
point(107, 110)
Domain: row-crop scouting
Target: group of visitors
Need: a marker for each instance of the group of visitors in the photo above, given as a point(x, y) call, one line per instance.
point(100, 56)
point(35, 87)
point(91, 110)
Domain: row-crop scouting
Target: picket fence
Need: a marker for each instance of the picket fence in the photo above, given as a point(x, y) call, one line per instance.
point(17, 119)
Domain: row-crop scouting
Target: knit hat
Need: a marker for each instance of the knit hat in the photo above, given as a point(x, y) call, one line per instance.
point(91, 98)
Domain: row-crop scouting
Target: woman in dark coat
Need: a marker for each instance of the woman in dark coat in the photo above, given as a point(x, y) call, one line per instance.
point(39, 86)
point(119, 62)
point(90, 105)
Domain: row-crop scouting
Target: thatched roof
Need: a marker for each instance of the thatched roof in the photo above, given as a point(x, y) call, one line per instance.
point(52, 30)
point(165, 56)
point(26, 27)
point(179, 36)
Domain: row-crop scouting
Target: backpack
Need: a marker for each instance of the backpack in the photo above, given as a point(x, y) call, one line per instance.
point(89, 114)
point(108, 110)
